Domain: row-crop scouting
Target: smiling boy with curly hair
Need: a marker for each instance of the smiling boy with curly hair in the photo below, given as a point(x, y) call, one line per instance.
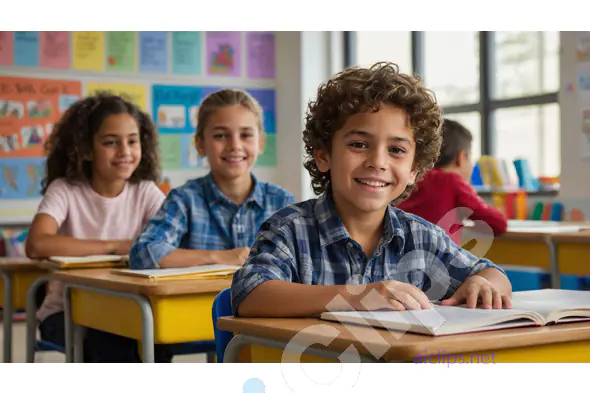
point(369, 136)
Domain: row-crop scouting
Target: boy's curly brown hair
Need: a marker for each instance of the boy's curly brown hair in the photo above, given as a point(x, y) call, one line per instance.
point(357, 89)
point(72, 140)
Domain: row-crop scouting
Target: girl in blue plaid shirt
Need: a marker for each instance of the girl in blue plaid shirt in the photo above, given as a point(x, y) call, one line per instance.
point(213, 219)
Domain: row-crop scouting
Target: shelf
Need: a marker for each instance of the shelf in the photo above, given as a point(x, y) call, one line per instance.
point(547, 193)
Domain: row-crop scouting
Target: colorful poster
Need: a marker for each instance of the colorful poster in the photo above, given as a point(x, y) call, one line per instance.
point(26, 48)
point(28, 109)
point(268, 158)
point(267, 99)
point(186, 52)
point(121, 51)
point(223, 53)
point(260, 54)
point(136, 93)
point(55, 49)
point(88, 50)
point(20, 178)
point(170, 151)
point(6, 48)
point(175, 108)
point(583, 79)
point(190, 157)
point(153, 51)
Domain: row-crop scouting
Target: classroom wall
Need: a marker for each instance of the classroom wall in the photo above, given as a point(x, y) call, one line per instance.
point(574, 97)
point(303, 61)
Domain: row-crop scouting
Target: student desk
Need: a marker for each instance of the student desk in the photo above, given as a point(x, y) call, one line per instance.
point(264, 339)
point(31, 340)
point(573, 252)
point(529, 249)
point(166, 311)
point(556, 251)
point(17, 274)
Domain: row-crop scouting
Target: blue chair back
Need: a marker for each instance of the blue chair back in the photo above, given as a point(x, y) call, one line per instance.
point(221, 308)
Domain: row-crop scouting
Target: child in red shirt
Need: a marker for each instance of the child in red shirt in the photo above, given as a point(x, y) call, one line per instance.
point(445, 197)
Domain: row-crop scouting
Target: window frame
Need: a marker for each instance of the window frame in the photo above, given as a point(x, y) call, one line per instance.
point(487, 104)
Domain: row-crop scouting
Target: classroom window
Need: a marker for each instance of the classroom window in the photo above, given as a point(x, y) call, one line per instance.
point(526, 63)
point(374, 46)
point(530, 132)
point(501, 85)
point(451, 67)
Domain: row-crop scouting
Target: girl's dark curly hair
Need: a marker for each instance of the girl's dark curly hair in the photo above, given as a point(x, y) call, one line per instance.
point(72, 140)
point(357, 89)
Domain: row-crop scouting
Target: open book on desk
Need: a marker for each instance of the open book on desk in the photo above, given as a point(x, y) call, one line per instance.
point(91, 261)
point(205, 272)
point(529, 308)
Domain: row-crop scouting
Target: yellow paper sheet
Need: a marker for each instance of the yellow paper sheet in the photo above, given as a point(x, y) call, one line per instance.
point(88, 51)
point(137, 93)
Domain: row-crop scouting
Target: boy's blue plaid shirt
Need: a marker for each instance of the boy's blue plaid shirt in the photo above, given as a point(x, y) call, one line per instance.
point(307, 243)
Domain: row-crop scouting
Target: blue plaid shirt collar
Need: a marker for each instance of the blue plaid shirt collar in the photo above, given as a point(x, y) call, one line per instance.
point(215, 196)
point(331, 229)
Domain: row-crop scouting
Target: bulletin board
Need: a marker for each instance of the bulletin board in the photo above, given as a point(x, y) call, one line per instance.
point(166, 73)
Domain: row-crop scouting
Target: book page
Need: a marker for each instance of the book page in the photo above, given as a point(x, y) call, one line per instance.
point(551, 303)
point(89, 259)
point(181, 271)
point(437, 321)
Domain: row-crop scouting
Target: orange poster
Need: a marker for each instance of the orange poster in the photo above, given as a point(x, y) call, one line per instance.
point(28, 110)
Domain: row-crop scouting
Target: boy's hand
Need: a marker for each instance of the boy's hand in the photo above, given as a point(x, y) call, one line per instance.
point(476, 288)
point(235, 256)
point(393, 295)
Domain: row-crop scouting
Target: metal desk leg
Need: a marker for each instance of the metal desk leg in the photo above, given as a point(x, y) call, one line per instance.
point(32, 317)
point(553, 263)
point(69, 325)
point(147, 320)
point(79, 334)
point(233, 349)
point(7, 316)
point(147, 333)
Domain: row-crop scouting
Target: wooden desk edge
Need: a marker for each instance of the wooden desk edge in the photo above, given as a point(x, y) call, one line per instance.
point(140, 286)
point(18, 264)
point(582, 237)
point(566, 237)
point(419, 345)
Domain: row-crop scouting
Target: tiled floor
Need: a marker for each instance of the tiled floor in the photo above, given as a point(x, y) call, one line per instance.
point(19, 349)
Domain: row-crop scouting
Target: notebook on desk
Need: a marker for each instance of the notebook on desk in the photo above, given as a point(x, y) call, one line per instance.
point(206, 272)
point(529, 308)
point(91, 261)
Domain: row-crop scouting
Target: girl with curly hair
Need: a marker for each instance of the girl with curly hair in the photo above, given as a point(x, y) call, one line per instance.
point(369, 136)
point(98, 193)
